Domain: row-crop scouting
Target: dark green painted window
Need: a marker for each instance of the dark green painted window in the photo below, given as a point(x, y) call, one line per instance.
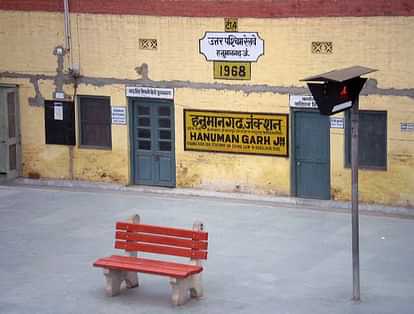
point(95, 121)
point(372, 145)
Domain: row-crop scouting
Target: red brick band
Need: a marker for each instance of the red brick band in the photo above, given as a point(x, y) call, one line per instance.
point(220, 8)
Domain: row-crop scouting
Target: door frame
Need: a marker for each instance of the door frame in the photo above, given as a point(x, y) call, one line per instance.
point(18, 171)
point(131, 126)
point(293, 174)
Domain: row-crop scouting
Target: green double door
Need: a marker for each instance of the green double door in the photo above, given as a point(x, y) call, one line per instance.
point(9, 133)
point(153, 142)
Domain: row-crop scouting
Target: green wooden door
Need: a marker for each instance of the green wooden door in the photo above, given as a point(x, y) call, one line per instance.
point(153, 142)
point(311, 160)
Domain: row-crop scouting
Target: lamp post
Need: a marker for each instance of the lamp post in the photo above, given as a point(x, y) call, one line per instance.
point(337, 91)
point(355, 210)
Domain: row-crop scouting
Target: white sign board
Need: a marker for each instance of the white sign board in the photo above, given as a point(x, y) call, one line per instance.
point(302, 101)
point(119, 115)
point(150, 92)
point(337, 123)
point(231, 46)
point(60, 95)
point(342, 106)
point(58, 111)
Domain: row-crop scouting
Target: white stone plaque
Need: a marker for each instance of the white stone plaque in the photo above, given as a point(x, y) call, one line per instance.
point(231, 46)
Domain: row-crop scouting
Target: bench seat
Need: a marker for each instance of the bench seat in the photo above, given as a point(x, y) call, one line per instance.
point(149, 266)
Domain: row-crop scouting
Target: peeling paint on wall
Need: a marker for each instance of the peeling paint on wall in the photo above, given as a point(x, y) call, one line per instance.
point(59, 52)
point(38, 100)
point(143, 71)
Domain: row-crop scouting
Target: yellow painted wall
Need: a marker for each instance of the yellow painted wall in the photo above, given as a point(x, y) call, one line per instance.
point(106, 46)
point(396, 184)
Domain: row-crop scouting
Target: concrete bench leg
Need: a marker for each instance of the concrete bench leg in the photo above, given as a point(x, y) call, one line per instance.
point(131, 279)
point(114, 279)
point(180, 290)
point(196, 283)
point(196, 288)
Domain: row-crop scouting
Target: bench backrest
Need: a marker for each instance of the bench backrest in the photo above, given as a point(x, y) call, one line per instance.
point(161, 240)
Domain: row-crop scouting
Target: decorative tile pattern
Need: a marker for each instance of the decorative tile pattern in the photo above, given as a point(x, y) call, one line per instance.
point(407, 126)
point(148, 44)
point(322, 47)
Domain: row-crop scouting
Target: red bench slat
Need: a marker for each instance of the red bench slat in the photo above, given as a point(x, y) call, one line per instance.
point(171, 241)
point(166, 264)
point(162, 268)
point(141, 267)
point(182, 233)
point(160, 249)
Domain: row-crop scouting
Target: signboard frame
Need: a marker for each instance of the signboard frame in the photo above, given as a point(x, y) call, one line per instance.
point(285, 115)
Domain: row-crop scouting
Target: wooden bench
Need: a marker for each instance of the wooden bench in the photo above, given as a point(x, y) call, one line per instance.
point(134, 237)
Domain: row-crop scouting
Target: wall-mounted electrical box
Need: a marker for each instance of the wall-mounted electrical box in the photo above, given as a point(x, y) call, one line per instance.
point(60, 122)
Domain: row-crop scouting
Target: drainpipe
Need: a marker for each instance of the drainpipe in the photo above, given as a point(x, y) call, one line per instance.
point(67, 29)
point(67, 52)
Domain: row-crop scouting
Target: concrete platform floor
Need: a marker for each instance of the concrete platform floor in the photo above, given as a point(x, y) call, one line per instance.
point(264, 257)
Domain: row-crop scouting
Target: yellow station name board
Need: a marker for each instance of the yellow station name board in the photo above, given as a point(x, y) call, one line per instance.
point(236, 132)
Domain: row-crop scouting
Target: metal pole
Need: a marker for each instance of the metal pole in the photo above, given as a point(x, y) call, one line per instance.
point(66, 24)
point(355, 215)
